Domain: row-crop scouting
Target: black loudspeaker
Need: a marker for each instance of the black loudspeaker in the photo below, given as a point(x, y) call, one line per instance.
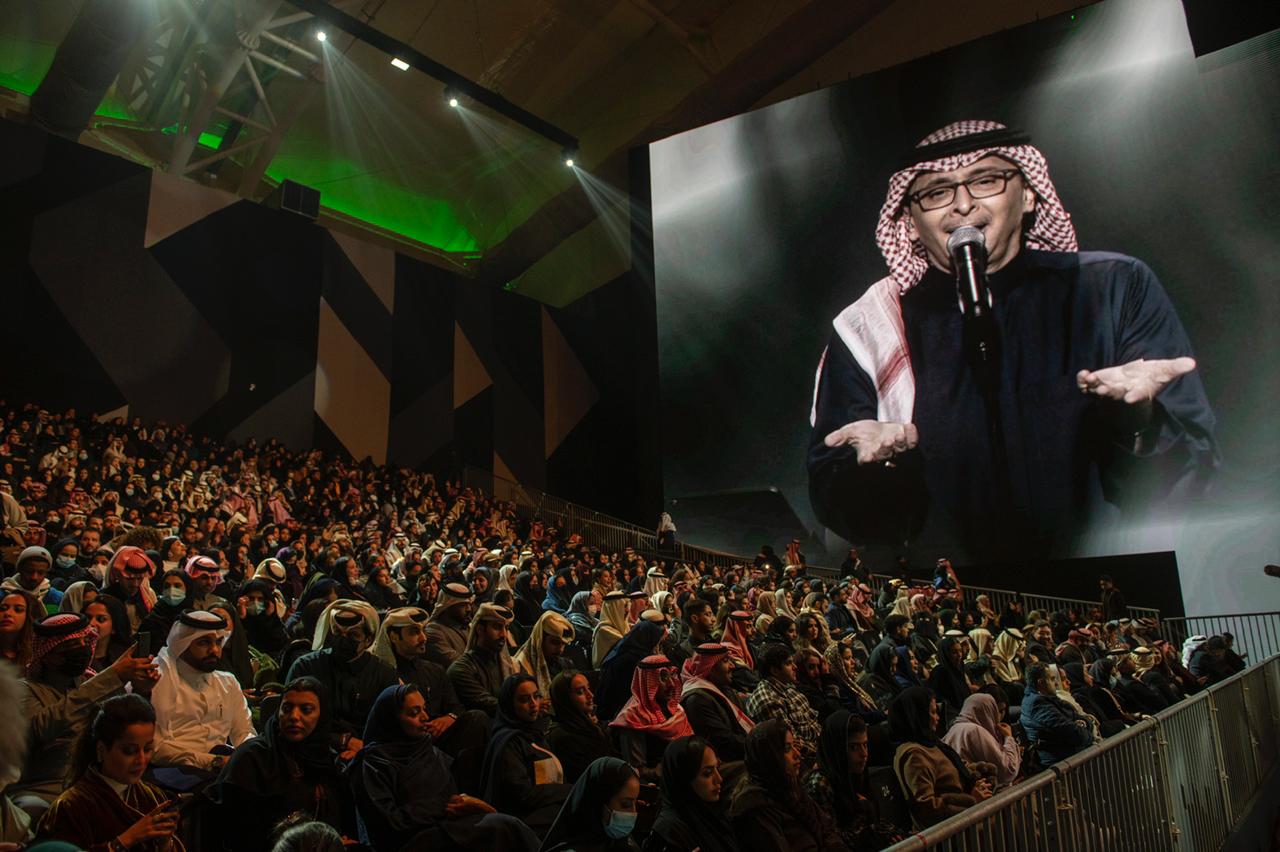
point(1215, 24)
point(296, 198)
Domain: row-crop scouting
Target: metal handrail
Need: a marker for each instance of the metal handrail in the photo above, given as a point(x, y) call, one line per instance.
point(1131, 765)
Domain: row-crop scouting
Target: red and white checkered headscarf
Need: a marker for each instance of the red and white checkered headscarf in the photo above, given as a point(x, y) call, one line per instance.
point(872, 326)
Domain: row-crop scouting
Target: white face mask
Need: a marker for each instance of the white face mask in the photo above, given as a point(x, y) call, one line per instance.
point(99, 573)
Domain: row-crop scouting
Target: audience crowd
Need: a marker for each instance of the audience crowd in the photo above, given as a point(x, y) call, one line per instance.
point(214, 646)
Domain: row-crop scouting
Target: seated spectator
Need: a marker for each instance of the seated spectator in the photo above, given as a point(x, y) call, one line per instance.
point(906, 668)
point(614, 686)
point(1056, 729)
point(206, 575)
point(19, 612)
point(260, 612)
point(600, 813)
point(776, 697)
point(652, 716)
point(935, 780)
point(1149, 670)
point(448, 627)
point(291, 767)
point(108, 616)
point(107, 805)
point(711, 704)
point(172, 599)
point(947, 680)
point(62, 698)
point(1231, 660)
point(582, 613)
point(30, 576)
point(78, 596)
point(698, 617)
point(879, 680)
point(380, 590)
point(237, 658)
point(404, 793)
point(839, 785)
point(130, 574)
point(770, 809)
point(782, 631)
point(478, 674)
point(1081, 687)
point(66, 568)
point(575, 735)
point(694, 813)
point(401, 643)
point(351, 677)
point(842, 670)
point(979, 735)
point(816, 685)
point(541, 653)
point(1134, 695)
point(611, 628)
point(520, 775)
point(200, 711)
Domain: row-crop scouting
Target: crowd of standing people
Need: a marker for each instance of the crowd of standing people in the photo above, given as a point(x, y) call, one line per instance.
point(244, 647)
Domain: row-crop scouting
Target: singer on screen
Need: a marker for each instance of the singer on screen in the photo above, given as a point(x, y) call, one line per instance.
point(1007, 391)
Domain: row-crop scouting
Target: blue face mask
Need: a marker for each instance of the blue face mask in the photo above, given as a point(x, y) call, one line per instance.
point(173, 596)
point(255, 607)
point(621, 824)
point(65, 562)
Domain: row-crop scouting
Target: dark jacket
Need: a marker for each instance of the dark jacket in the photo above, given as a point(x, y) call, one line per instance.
point(715, 723)
point(1055, 725)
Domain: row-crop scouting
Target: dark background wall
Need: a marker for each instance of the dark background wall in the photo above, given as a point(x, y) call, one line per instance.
point(133, 292)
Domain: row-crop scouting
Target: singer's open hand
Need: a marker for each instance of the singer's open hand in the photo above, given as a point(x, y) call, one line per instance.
point(1137, 381)
point(875, 441)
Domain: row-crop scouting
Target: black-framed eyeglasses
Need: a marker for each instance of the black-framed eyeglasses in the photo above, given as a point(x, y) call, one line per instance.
point(984, 185)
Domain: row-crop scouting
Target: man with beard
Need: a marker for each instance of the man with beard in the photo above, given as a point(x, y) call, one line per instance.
point(402, 644)
point(351, 676)
point(447, 627)
point(479, 672)
point(62, 697)
point(1072, 396)
point(201, 714)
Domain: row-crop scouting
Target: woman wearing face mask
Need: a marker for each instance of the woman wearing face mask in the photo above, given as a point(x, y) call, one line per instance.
point(520, 775)
point(108, 806)
point(582, 613)
point(66, 569)
point(694, 813)
point(600, 813)
point(174, 596)
point(262, 625)
point(405, 794)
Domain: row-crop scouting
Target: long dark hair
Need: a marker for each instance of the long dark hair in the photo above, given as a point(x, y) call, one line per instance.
point(22, 642)
point(109, 723)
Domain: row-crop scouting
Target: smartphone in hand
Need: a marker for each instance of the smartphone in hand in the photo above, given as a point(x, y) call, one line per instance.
point(142, 644)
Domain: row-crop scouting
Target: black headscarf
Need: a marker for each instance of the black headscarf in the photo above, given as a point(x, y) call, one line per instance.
point(910, 723)
point(573, 737)
point(508, 730)
point(881, 665)
point(263, 766)
point(578, 824)
point(235, 653)
point(947, 680)
point(765, 766)
point(685, 820)
point(620, 664)
point(833, 760)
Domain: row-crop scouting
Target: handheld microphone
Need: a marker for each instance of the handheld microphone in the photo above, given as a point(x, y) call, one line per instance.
point(968, 249)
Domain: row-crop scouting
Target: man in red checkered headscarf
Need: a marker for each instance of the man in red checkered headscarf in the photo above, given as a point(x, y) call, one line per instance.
point(1094, 386)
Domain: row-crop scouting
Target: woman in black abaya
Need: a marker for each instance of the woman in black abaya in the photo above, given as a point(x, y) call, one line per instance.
point(405, 795)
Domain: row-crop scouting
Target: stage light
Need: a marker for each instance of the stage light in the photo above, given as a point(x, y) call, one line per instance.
point(569, 154)
point(400, 63)
point(453, 102)
point(451, 95)
point(320, 35)
point(569, 162)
